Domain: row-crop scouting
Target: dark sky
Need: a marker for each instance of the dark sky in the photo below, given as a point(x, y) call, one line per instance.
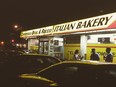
point(30, 14)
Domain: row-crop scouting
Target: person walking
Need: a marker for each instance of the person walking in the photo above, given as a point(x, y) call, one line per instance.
point(109, 56)
point(94, 55)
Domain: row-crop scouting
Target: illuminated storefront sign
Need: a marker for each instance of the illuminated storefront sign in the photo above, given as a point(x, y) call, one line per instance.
point(26, 33)
point(91, 24)
point(94, 23)
point(46, 30)
point(37, 32)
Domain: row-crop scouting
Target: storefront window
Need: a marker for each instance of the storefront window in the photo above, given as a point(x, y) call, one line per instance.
point(100, 42)
point(72, 39)
point(104, 40)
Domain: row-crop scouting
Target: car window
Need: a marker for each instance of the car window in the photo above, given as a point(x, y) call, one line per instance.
point(70, 70)
point(59, 71)
point(51, 60)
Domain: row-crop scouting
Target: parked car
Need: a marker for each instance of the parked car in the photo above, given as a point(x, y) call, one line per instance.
point(12, 66)
point(73, 74)
point(4, 53)
point(27, 63)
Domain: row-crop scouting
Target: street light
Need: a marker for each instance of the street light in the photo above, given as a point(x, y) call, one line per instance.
point(12, 40)
point(15, 34)
point(16, 26)
point(2, 42)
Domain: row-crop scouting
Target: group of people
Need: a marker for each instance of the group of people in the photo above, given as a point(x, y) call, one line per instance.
point(95, 56)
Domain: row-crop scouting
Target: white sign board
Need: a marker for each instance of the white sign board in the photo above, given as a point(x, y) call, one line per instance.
point(89, 24)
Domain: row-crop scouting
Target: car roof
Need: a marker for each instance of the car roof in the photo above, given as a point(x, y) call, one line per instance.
point(89, 62)
point(86, 62)
point(40, 55)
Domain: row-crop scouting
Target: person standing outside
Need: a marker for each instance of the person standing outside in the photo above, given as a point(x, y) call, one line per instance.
point(94, 55)
point(77, 55)
point(109, 56)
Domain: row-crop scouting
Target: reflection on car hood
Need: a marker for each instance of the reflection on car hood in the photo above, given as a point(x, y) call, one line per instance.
point(34, 76)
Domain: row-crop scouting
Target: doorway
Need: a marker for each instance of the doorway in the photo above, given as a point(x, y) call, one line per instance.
point(43, 47)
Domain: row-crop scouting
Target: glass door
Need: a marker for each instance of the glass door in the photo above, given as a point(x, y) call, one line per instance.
point(43, 47)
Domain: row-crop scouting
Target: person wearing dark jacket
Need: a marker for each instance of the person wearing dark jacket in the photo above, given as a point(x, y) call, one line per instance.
point(109, 56)
point(94, 55)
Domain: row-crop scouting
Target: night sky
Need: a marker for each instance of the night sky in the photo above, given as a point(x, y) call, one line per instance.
point(31, 14)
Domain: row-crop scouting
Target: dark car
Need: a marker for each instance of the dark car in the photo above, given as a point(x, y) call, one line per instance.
point(4, 53)
point(12, 66)
point(33, 63)
point(73, 74)
point(27, 63)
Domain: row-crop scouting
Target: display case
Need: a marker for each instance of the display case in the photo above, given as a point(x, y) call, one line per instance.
point(56, 47)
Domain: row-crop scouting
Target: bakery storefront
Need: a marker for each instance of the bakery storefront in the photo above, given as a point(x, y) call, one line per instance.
point(61, 40)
